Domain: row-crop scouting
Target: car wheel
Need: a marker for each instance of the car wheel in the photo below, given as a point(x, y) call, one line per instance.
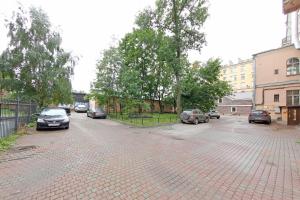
point(250, 121)
point(37, 129)
point(196, 121)
point(268, 122)
point(218, 117)
point(206, 120)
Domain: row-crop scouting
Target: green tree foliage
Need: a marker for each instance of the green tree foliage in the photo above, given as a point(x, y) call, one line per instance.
point(202, 86)
point(106, 86)
point(182, 20)
point(35, 60)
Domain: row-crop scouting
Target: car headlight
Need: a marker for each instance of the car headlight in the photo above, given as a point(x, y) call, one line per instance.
point(66, 119)
point(40, 120)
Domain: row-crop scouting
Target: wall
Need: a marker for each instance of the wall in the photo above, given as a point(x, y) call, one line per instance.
point(228, 71)
point(241, 110)
point(267, 62)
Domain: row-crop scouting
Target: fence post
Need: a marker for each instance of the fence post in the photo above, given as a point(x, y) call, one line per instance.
point(29, 116)
point(17, 115)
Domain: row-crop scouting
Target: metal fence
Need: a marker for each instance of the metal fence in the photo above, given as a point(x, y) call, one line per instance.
point(14, 114)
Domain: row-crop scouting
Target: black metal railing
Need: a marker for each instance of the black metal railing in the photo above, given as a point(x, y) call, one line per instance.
point(14, 114)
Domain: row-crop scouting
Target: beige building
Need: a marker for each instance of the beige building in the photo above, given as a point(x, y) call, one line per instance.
point(277, 85)
point(239, 75)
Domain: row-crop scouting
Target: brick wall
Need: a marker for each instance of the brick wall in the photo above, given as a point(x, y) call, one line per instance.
point(240, 110)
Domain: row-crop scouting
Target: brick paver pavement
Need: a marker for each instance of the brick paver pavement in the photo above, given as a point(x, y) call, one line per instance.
point(100, 159)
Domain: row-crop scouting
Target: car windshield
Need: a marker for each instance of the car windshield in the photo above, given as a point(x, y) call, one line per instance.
point(53, 112)
point(81, 106)
point(188, 111)
point(99, 110)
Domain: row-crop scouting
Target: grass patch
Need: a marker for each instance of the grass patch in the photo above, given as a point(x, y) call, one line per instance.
point(8, 141)
point(146, 119)
point(298, 142)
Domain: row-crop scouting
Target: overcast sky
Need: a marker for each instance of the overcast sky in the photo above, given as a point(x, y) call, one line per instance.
point(235, 28)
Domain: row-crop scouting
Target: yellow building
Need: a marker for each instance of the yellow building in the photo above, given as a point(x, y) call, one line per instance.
point(239, 75)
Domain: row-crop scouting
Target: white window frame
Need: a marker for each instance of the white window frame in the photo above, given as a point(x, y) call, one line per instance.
point(231, 109)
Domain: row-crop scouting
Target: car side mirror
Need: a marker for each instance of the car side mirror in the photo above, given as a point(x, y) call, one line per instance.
point(36, 114)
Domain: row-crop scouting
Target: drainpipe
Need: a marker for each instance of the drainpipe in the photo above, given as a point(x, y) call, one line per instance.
point(254, 83)
point(294, 29)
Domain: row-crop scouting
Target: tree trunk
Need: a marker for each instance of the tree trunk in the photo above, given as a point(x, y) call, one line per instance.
point(178, 97)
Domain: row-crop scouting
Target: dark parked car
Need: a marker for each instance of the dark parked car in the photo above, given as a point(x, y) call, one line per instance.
point(52, 118)
point(193, 116)
point(67, 109)
point(81, 108)
point(96, 113)
point(214, 114)
point(259, 116)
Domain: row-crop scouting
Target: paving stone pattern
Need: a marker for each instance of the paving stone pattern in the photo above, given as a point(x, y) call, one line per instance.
point(100, 159)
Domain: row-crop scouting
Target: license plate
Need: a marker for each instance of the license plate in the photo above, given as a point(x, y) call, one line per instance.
point(53, 124)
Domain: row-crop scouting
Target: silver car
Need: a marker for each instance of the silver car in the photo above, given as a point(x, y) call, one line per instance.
point(193, 116)
point(96, 113)
point(81, 108)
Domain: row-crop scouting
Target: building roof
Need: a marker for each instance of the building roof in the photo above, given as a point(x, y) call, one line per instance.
point(292, 45)
point(241, 96)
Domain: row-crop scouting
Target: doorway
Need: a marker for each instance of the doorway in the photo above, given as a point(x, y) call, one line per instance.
point(294, 116)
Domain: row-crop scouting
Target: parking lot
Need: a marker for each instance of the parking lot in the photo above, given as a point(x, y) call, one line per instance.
point(102, 159)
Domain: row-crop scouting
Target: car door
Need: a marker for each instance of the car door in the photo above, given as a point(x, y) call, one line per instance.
point(201, 116)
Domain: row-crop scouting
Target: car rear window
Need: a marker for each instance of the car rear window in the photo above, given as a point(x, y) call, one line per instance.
point(257, 112)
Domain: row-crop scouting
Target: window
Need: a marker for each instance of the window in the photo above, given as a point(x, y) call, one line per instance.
point(276, 97)
point(292, 66)
point(293, 98)
point(242, 68)
point(276, 71)
point(234, 78)
point(233, 109)
point(242, 76)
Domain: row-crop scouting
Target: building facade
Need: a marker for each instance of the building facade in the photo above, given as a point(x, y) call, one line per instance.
point(236, 104)
point(277, 83)
point(240, 75)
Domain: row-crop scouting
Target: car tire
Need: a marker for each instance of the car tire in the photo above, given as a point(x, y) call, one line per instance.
point(206, 120)
point(196, 121)
point(250, 121)
point(37, 129)
point(182, 121)
point(218, 117)
point(268, 122)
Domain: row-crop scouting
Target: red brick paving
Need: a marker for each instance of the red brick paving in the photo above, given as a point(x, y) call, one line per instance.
point(225, 159)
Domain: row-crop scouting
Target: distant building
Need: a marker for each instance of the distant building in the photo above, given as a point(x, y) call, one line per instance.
point(237, 104)
point(277, 87)
point(239, 75)
point(80, 98)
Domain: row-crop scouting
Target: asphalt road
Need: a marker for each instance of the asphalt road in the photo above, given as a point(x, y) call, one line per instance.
point(102, 159)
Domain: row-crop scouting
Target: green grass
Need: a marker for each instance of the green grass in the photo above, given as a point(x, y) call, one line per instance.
point(8, 141)
point(153, 120)
point(298, 142)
